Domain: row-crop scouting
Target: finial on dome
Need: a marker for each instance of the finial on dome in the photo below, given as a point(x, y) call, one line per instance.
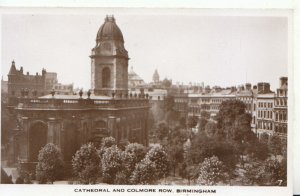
point(109, 18)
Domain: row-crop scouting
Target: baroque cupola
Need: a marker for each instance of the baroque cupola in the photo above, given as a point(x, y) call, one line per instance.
point(109, 60)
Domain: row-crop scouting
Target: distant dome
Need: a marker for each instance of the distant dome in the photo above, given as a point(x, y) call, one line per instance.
point(109, 30)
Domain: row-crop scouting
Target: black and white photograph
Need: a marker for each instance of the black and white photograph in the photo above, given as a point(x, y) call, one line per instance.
point(189, 98)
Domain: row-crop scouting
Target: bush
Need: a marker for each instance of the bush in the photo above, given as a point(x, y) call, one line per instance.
point(50, 164)
point(158, 155)
point(211, 172)
point(106, 143)
point(111, 163)
point(144, 172)
point(85, 164)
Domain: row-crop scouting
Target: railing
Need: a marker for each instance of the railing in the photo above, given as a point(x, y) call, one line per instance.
point(23, 103)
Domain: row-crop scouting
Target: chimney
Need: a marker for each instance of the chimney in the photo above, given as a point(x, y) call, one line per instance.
point(263, 87)
point(283, 81)
point(248, 86)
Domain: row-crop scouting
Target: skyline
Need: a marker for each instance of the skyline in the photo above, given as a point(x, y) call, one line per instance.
point(202, 45)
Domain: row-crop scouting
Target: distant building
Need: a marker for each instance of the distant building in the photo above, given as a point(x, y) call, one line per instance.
point(268, 109)
point(20, 83)
point(264, 109)
point(281, 108)
point(156, 77)
point(63, 89)
point(134, 80)
point(26, 85)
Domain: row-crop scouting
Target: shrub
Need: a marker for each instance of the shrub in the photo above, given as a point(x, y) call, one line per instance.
point(50, 164)
point(111, 163)
point(211, 172)
point(85, 164)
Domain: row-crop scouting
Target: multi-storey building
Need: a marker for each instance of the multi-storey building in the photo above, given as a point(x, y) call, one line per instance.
point(264, 109)
point(268, 110)
point(281, 108)
point(21, 85)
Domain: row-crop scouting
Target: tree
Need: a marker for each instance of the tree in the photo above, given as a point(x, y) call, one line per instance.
point(144, 172)
point(192, 121)
point(162, 130)
point(50, 164)
point(202, 123)
point(205, 115)
point(211, 172)
point(253, 173)
point(132, 155)
point(159, 157)
point(276, 145)
point(210, 129)
point(111, 164)
point(176, 139)
point(229, 111)
point(106, 143)
point(85, 164)
point(275, 173)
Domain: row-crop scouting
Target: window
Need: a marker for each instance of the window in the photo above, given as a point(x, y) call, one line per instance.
point(106, 77)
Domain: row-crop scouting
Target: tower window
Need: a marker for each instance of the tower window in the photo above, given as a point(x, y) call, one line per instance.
point(106, 77)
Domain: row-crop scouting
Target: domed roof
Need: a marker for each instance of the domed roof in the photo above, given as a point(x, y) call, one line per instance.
point(109, 30)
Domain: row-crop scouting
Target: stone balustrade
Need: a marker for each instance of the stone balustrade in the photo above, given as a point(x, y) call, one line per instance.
point(80, 103)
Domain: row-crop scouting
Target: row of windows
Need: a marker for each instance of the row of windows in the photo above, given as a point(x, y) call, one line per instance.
point(265, 125)
point(265, 114)
point(281, 116)
point(281, 128)
point(265, 105)
point(281, 102)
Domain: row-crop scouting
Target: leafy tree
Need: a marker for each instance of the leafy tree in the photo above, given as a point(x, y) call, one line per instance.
point(111, 163)
point(202, 123)
point(106, 143)
point(276, 145)
point(253, 173)
point(211, 172)
point(275, 173)
point(176, 140)
point(159, 157)
point(210, 129)
point(205, 115)
point(203, 147)
point(192, 121)
point(132, 155)
point(50, 164)
point(229, 111)
point(144, 172)
point(85, 164)
point(259, 151)
point(162, 130)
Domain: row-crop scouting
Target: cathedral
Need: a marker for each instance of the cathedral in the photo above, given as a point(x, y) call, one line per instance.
point(72, 120)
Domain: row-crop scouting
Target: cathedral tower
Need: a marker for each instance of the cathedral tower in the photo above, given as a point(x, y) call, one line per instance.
point(109, 61)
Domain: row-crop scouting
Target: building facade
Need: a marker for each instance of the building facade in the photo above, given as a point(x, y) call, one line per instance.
point(109, 60)
point(72, 120)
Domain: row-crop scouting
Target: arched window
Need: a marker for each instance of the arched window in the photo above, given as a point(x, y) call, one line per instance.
point(106, 77)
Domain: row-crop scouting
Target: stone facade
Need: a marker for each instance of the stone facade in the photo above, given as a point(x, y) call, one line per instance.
point(72, 120)
point(109, 61)
point(69, 123)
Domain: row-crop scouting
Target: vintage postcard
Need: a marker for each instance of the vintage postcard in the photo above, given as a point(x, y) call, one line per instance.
point(146, 101)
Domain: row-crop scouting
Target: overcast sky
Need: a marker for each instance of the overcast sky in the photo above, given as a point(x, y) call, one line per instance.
point(216, 50)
